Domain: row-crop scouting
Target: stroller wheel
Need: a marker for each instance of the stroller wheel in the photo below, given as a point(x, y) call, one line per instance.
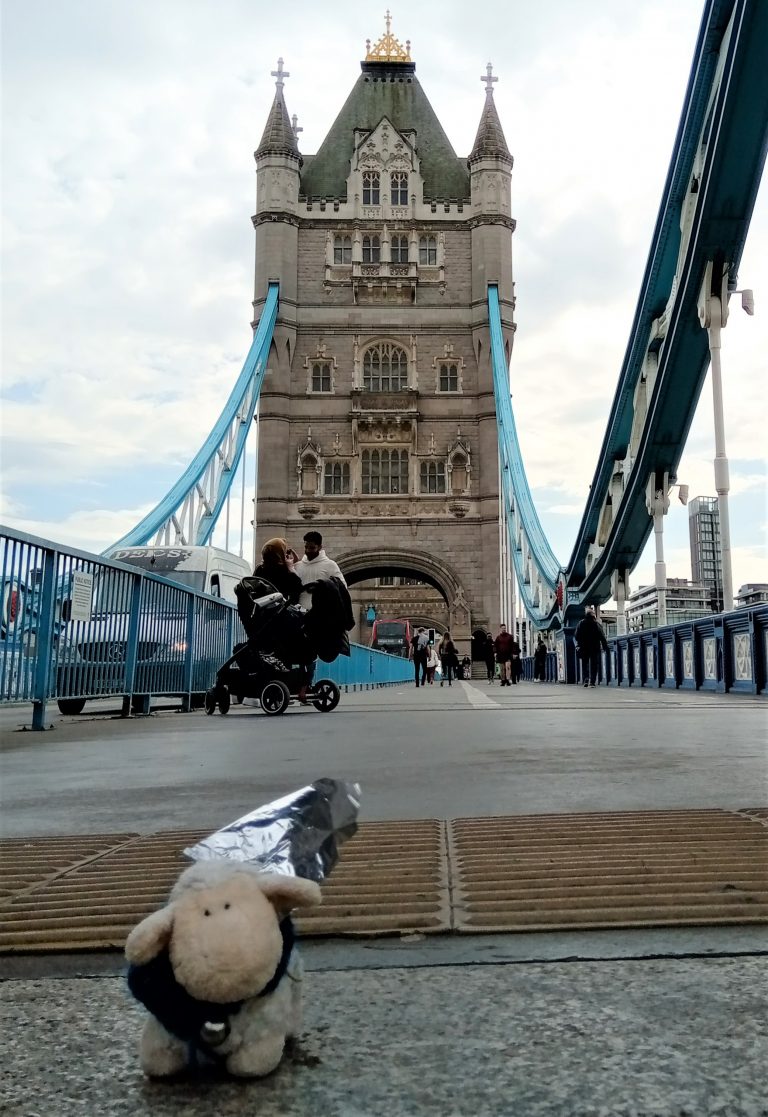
point(224, 700)
point(327, 696)
point(210, 701)
point(274, 697)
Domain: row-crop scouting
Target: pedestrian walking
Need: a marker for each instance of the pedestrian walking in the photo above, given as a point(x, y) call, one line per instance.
point(540, 661)
point(315, 566)
point(502, 646)
point(490, 657)
point(589, 638)
point(433, 662)
point(420, 655)
point(515, 663)
point(449, 660)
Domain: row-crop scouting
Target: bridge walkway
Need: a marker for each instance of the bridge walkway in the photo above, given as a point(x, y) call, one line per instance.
point(418, 1022)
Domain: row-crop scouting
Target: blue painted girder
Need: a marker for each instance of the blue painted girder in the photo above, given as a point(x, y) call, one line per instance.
point(735, 124)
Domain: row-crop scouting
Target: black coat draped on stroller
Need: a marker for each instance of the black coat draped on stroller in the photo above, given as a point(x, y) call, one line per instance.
point(283, 642)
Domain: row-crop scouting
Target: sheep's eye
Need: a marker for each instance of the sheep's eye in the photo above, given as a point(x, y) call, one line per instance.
point(206, 912)
point(226, 907)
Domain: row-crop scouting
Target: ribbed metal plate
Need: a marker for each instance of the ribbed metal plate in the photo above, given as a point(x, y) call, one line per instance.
point(629, 869)
point(26, 863)
point(391, 878)
point(93, 905)
point(538, 872)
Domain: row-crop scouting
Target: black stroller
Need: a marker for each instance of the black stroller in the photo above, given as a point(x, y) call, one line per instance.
point(278, 658)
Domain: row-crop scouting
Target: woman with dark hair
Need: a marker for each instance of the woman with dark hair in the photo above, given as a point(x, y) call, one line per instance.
point(276, 566)
point(448, 657)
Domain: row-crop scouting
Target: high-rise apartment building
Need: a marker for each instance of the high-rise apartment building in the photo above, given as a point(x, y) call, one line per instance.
point(706, 558)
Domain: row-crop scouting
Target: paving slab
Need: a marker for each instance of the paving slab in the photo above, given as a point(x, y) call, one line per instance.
point(650, 1038)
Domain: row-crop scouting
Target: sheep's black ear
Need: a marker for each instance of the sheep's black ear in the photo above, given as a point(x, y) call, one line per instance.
point(287, 893)
point(149, 937)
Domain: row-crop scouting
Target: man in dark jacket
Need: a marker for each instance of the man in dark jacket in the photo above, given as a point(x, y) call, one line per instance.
point(589, 638)
point(503, 648)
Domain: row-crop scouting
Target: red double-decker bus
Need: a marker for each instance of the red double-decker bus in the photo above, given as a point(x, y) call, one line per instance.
point(393, 636)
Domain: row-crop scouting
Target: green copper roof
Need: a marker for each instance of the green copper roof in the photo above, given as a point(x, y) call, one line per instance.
point(391, 90)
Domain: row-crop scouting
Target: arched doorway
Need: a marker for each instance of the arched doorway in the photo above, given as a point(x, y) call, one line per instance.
point(443, 605)
point(479, 645)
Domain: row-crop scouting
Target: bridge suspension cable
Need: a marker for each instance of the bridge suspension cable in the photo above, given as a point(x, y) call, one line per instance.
point(536, 566)
point(188, 513)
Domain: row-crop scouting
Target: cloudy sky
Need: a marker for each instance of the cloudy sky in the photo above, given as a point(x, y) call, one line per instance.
point(128, 132)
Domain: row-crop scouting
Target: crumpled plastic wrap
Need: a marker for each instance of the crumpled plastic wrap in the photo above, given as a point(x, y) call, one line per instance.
point(298, 835)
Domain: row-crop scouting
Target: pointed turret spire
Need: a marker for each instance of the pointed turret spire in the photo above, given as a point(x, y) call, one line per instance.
point(489, 141)
point(279, 137)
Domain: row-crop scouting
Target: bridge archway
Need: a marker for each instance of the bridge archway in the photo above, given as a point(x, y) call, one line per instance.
point(362, 565)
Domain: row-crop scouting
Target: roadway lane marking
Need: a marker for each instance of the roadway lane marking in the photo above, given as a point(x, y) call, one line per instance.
point(478, 698)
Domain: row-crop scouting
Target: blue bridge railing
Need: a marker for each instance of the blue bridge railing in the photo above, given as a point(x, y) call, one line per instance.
point(724, 653)
point(76, 626)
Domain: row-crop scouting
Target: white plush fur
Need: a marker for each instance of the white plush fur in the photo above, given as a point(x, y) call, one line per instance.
point(221, 930)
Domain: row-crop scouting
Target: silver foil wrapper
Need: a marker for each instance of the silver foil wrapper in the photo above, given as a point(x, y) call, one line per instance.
point(298, 835)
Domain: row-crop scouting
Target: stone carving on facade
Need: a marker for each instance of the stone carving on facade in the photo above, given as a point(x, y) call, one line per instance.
point(459, 456)
point(459, 609)
point(357, 377)
point(309, 468)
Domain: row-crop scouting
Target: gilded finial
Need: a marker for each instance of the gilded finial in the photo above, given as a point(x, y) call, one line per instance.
point(488, 78)
point(388, 49)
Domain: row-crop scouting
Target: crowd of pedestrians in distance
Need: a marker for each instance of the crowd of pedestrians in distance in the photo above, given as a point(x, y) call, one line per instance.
point(502, 655)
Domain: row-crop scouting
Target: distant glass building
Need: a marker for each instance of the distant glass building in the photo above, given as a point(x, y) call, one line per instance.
point(706, 559)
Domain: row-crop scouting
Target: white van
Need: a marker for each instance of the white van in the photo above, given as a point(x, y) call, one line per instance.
point(205, 569)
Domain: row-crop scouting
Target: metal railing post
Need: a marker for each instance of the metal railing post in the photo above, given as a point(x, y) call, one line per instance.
point(44, 640)
point(132, 645)
point(189, 654)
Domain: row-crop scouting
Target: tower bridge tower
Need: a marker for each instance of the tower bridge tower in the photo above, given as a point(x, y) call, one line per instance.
point(377, 416)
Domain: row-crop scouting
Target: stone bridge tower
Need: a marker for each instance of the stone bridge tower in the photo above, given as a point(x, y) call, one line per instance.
point(377, 417)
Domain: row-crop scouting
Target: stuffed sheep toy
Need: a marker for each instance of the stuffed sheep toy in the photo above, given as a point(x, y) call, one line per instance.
point(218, 971)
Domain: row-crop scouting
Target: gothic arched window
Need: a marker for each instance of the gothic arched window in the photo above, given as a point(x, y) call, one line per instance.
point(399, 249)
point(385, 471)
point(321, 376)
point(448, 380)
point(385, 368)
point(371, 250)
point(371, 188)
point(427, 250)
point(433, 477)
point(336, 478)
point(342, 250)
point(399, 185)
